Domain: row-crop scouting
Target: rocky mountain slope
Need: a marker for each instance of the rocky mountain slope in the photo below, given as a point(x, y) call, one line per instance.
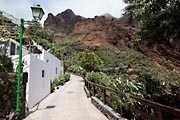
point(109, 31)
point(102, 30)
point(63, 22)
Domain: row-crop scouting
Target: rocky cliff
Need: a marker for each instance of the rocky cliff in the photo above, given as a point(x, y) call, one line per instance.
point(107, 30)
point(100, 30)
point(63, 22)
point(103, 30)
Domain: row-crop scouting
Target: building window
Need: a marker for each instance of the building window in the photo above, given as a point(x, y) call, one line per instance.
point(56, 70)
point(17, 50)
point(43, 73)
point(12, 51)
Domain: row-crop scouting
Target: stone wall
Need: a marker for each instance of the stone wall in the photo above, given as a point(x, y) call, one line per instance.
point(106, 110)
point(8, 84)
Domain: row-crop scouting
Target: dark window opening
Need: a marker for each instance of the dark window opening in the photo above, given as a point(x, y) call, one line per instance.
point(56, 70)
point(17, 49)
point(12, 52)
point(43, 73)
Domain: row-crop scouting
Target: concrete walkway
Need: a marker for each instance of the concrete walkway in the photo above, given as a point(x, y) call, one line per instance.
point(67, 103)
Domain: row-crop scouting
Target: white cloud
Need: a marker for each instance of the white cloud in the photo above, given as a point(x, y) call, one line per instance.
point(86, 8)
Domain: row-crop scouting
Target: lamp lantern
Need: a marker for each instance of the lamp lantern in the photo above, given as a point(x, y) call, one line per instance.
point(37, 12)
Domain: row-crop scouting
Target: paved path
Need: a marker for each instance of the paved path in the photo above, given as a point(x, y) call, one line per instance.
point(67, 103)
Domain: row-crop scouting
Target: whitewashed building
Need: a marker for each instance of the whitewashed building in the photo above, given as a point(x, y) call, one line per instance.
point(42, 69)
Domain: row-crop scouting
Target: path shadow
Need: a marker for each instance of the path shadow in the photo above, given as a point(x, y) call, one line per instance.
point(37, 108)
point(50, 107)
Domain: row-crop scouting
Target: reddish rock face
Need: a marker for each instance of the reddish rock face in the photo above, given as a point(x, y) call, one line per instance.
point(63, 22)
point(102, 30)
point(49, 20)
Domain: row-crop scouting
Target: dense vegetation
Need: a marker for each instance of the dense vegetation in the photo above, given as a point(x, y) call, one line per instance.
point(60, 81)
point(7, 98)
point(89, 61)
point(113, 60)
point(125, 70)
point(40, 35)
point(158, 20)
point(6, 64)
point(34, 31)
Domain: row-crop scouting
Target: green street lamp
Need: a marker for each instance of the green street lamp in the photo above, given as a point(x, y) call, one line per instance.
point(38, 13)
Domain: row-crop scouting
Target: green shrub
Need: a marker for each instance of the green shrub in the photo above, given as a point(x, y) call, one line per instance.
point(135, 88)
point(66, 77)
point(53, 85)
point(89, 61)
point(60, 81)
point(77, 69)
point(67, 48)
point(6, 64)
point(118, 57)
point(99, 78)
point(92, 76)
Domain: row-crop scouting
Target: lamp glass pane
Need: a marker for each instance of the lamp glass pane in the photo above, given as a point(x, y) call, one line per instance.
point(41, 14)
point(36, 13)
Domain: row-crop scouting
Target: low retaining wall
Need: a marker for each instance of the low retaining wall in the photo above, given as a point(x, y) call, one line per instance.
point(106, 110)
point(87, 92)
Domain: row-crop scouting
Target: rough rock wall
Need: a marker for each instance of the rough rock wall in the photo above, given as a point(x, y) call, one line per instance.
point(8, 84)
point(63, 22)
point(102, 30)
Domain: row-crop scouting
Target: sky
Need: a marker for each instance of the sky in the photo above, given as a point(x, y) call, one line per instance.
point(85, 8)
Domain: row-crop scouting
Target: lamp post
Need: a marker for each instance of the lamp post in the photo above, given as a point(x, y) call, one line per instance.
point(38, 13)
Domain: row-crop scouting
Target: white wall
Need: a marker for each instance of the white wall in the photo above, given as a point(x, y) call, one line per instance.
point(16, 56)
point(38, 87)
point(54, 64)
